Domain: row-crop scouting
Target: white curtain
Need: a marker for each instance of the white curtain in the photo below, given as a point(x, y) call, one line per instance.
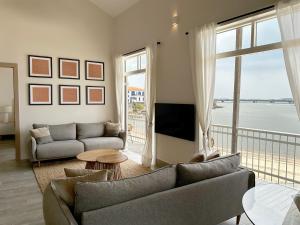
point(288, 13)
point(119, 85)
point(149, 152)
point(202, 43)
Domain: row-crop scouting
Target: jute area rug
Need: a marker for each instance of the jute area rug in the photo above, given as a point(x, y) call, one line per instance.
point(53, 170)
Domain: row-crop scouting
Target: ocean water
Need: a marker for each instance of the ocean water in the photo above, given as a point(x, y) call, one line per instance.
point(265, 116)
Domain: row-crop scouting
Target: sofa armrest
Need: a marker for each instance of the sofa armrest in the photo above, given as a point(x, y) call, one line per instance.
point(33, 149)
point(251, 181)
point(56, 212)
point(123, 136)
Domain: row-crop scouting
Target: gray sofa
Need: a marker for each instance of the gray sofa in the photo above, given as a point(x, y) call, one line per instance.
point(163, 197)
point(71, 139)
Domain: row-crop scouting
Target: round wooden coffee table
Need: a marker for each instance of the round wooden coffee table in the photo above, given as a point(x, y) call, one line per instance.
point(104, 159)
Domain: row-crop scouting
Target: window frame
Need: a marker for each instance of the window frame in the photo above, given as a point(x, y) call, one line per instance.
point(238, 53)
point(253, 45)
point(127, 75)
point(139, 66)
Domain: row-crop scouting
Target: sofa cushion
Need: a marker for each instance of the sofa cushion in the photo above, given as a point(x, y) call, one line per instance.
point(61, 132)
point(91, 196)
point(90, 130)
point(59, 149)
point(41, 135)
point(65, 186)
point(112, 129)
point(102, 143)
point(195, 172)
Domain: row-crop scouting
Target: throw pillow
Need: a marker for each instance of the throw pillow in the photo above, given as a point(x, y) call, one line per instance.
point(197, 158)
point(41, 135)
point(112, 129)
point(65, 187)
point(83, 172)
point(195, 172)
point(91, 196)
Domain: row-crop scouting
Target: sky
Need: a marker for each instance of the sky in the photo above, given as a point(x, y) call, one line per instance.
point(136, 80)
point(263, 74)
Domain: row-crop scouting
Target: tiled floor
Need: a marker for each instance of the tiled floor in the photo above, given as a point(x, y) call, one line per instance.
point(20, 197)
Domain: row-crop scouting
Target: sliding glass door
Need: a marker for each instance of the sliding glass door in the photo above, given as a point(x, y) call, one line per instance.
point(135, 72)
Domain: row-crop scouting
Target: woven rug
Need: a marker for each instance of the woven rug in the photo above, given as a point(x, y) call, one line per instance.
point(53, 170)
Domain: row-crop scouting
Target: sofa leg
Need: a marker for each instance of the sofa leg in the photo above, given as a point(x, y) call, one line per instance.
point(238, 219)
point(39, 163)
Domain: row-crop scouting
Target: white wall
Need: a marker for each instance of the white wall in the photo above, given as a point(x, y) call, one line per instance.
point(58, 28)
point(150, 21)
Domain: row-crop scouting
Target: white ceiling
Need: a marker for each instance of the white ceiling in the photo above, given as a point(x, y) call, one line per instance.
point(114, 7)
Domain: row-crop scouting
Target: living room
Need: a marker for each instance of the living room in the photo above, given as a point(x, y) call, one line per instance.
point(123, 86)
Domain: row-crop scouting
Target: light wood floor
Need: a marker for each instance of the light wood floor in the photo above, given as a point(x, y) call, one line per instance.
point(20, 197)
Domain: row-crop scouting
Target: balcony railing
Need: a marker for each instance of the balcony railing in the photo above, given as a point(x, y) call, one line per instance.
point(136, 128)
point(273, 156)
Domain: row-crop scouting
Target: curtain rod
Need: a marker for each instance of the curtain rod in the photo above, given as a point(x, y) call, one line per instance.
point(138, 50)
point(244, 15)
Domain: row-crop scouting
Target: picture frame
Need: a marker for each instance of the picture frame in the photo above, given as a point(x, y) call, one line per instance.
point(94, 70)
point(69, 68)
point(40, 66)
point(95, 95)
point(69, 95)
point(40, 94)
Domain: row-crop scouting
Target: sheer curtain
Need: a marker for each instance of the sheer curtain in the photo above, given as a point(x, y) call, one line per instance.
point(202, 43)
point(288, 13)
point(119, 85)
point(149, 152)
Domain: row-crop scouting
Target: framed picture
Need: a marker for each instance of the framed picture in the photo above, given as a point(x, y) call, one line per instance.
point(40, 94)
point(69, 94)
point(95, 95)
point(94, 70)
point(69, 68)
point(39, 66)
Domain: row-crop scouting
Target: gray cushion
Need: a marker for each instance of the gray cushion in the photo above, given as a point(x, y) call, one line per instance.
point(112, 129)
point(65, 186)
point(60, 132)
point(90, 130)
point(102, 143)
point(41, 135)
point(91, 196)
point(63, 132)
point(59, 149)
point(194, 172)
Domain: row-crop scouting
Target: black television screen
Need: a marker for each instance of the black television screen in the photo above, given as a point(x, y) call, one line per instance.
point(176, 120)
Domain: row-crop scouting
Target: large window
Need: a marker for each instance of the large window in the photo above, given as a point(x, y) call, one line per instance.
point(252, 89)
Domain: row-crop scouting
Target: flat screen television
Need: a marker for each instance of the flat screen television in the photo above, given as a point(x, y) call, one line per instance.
point(176, 120)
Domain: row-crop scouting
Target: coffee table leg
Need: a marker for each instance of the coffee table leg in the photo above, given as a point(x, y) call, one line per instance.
point(118, 172)
point(115, 167)
point(90, 165)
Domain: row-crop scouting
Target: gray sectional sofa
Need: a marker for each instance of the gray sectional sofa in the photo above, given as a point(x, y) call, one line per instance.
point(71, 139)
point(186, 194)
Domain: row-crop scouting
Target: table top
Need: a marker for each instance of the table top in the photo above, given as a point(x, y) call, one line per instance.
point(271, 204)
point(91, 156)
point(112, 158)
